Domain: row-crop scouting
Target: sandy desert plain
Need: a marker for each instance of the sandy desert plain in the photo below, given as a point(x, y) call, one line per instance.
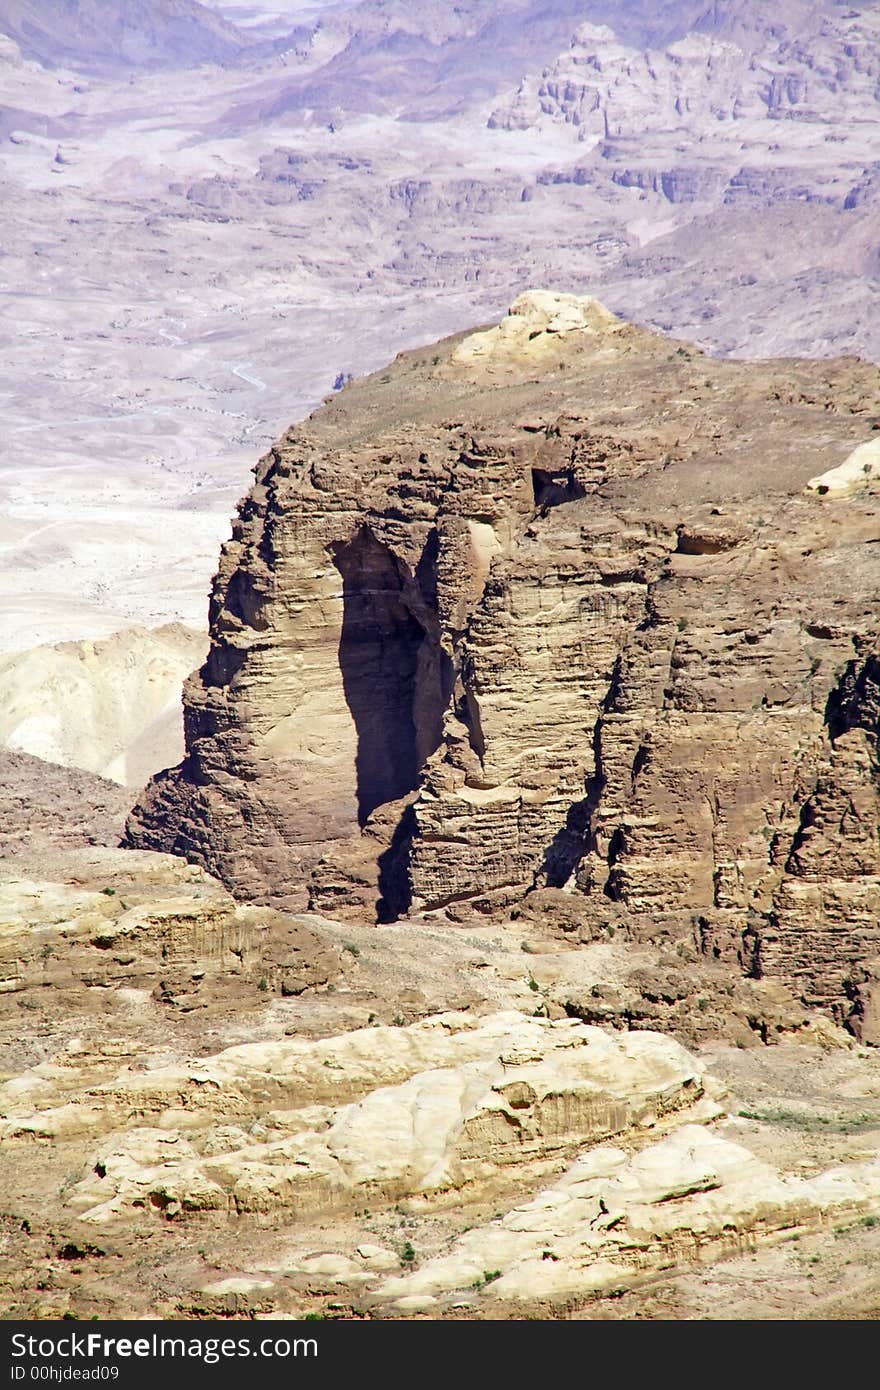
point(218, 1103)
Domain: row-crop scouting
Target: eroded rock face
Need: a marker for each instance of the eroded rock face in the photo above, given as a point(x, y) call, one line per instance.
point(555, 605)
point(615, 1218)
point(45, 806)
point(448, 1105)
point(601, 86)
point(210, 1109)
point(78, 922)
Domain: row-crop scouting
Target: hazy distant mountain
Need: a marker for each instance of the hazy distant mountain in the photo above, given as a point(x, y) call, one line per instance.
point(427, 59)
point(809, 63)
point(96, 35)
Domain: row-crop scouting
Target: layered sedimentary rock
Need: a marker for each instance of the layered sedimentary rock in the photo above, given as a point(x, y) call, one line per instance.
point(449, 1105)
point(727, 69)
point(558, 604)
point(206, 1111)
point(76, 922)
point(617, 1218)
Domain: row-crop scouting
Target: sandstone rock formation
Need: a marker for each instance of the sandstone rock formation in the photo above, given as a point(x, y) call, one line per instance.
point(448, 1106)
point(79, 920)
point(553, 605)
point(718, 73)
point(616, 1218)
point(209, 1109)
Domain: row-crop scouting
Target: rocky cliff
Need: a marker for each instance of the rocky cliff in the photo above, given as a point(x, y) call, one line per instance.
point(558, 605)
point(721, 72)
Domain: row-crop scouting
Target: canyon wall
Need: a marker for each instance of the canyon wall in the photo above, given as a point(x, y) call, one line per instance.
point(558, 605)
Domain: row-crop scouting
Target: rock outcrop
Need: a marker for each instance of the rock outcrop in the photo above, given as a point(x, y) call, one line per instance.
point(449, 1106)
point(209, 1109)
point(43, 806)
point(616, 1218)
point(718, 74)
point(76, 922)
point(557, 605)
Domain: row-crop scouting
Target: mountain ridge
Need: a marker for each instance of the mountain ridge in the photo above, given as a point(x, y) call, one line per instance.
point(93, 35)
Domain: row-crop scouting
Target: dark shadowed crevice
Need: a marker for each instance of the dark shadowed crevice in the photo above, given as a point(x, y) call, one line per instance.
point(244, 600)
point(395, 883)
point(854, 703)
point(395, 674)
point(640, 762)
point(570, 843)
point(426, 571)
point(467, 710)
point(576, 838)
point(613, 888)
point(222, 664)
point(552, 488)
point(379, 659)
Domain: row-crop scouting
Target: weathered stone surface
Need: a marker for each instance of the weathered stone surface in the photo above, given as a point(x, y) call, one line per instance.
point(616, 1218)
point(215, 1110)
point(43, 806)
point(102, 918)
point(553, 605)
point(863, 465)
point(601, 86)
point(442, 1106)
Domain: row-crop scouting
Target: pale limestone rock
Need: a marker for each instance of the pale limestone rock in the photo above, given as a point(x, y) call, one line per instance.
point(862, 467)
point(534, 321)
point(615, 1218)
point(333, 1266)
point(237, 1284)
point(482, 1100)
point(378, 1257)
